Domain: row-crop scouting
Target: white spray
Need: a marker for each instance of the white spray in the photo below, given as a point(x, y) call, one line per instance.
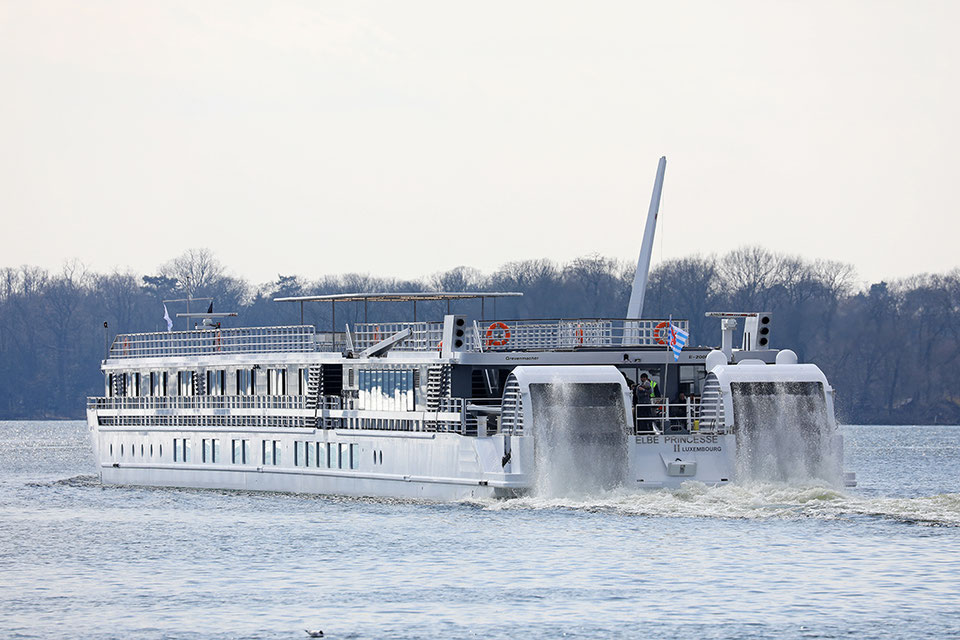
point(580, 434)
point(784, 433)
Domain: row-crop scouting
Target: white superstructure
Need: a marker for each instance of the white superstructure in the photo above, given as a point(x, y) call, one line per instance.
point(459, 407)
point(440, 410)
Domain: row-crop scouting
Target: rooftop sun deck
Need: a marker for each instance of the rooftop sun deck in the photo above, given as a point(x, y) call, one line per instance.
point(498, 335)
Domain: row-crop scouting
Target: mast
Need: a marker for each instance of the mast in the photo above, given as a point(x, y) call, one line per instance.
point(635, 306)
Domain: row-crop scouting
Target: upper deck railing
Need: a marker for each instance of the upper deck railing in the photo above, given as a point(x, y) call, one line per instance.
point(290, 339)
point(499, 335)
point(571, 334)
point(424, 336)
point(513, 335)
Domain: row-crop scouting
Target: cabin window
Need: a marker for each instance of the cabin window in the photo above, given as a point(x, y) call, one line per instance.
point(331, 455)
point(276, 382)
point(158, 384)
point(310, 454)
point(246, 382)
point(181, 450)
point(141, 450)
point(241, 451)
point(354, 456)
point(271, 452)
point(298, 454)
point(160, 451)
point(121, 450)
point(211, 450)
point(302, 376)
point(131, 384)
point(111, 449)
point(151, 450)
point(322, 455)
point(215, 382)
point(343, 459)
point(185, 383)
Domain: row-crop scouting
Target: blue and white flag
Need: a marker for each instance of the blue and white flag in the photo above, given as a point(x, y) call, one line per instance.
point(166, 316)
point(678, 338)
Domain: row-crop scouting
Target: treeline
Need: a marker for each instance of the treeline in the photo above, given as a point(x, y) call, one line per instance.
point(890, 348)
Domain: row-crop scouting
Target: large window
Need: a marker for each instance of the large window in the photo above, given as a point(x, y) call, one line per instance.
point(215, 382)
point(246, 382)
point(158, 383)
point(303, 376)
point(386, 390)
point(131, 384)
point(185, 383)
point(276, 382)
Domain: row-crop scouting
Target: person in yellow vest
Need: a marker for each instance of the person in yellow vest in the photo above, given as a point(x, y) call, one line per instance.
point(644, 393)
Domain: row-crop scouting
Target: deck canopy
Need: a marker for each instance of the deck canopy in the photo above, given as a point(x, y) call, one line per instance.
point(410, 296)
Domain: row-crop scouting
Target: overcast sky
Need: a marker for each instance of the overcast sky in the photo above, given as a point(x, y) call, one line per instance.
point(405, 138)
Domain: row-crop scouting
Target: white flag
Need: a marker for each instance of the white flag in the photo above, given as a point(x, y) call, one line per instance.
point(166, 316)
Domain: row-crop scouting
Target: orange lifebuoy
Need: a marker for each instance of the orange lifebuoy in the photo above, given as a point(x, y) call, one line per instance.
point(657, 332)
point(505, 335)
point(579, 333)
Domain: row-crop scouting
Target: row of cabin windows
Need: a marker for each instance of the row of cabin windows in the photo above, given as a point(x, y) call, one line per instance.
point(319, 455)
point(326, 455)
point(215, 382)
point(131, 450)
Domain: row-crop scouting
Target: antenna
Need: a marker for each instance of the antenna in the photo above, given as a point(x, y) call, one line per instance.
point(635, 306)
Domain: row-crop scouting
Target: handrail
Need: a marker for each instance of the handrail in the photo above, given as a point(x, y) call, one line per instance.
point(574, 333)
point(663, 416)
point(284, 339)
point(208, 402)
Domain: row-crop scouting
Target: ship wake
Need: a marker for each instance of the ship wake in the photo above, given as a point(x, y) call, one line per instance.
point(753, 500)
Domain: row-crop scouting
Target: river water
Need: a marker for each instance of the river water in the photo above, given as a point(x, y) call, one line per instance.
point(78, 560)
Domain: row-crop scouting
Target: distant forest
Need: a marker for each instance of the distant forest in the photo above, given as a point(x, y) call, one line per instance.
point(890, 348)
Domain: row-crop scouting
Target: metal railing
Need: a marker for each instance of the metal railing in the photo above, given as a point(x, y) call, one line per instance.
point(511, 335)
point(424, 336)
point(662, 416)
point(204, 402)
point(287, 339)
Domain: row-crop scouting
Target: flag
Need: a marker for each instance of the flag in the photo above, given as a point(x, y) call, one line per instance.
point(678, 338)
point(166, 316)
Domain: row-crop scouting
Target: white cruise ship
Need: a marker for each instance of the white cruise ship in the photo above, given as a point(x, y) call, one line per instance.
point(460, 407)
